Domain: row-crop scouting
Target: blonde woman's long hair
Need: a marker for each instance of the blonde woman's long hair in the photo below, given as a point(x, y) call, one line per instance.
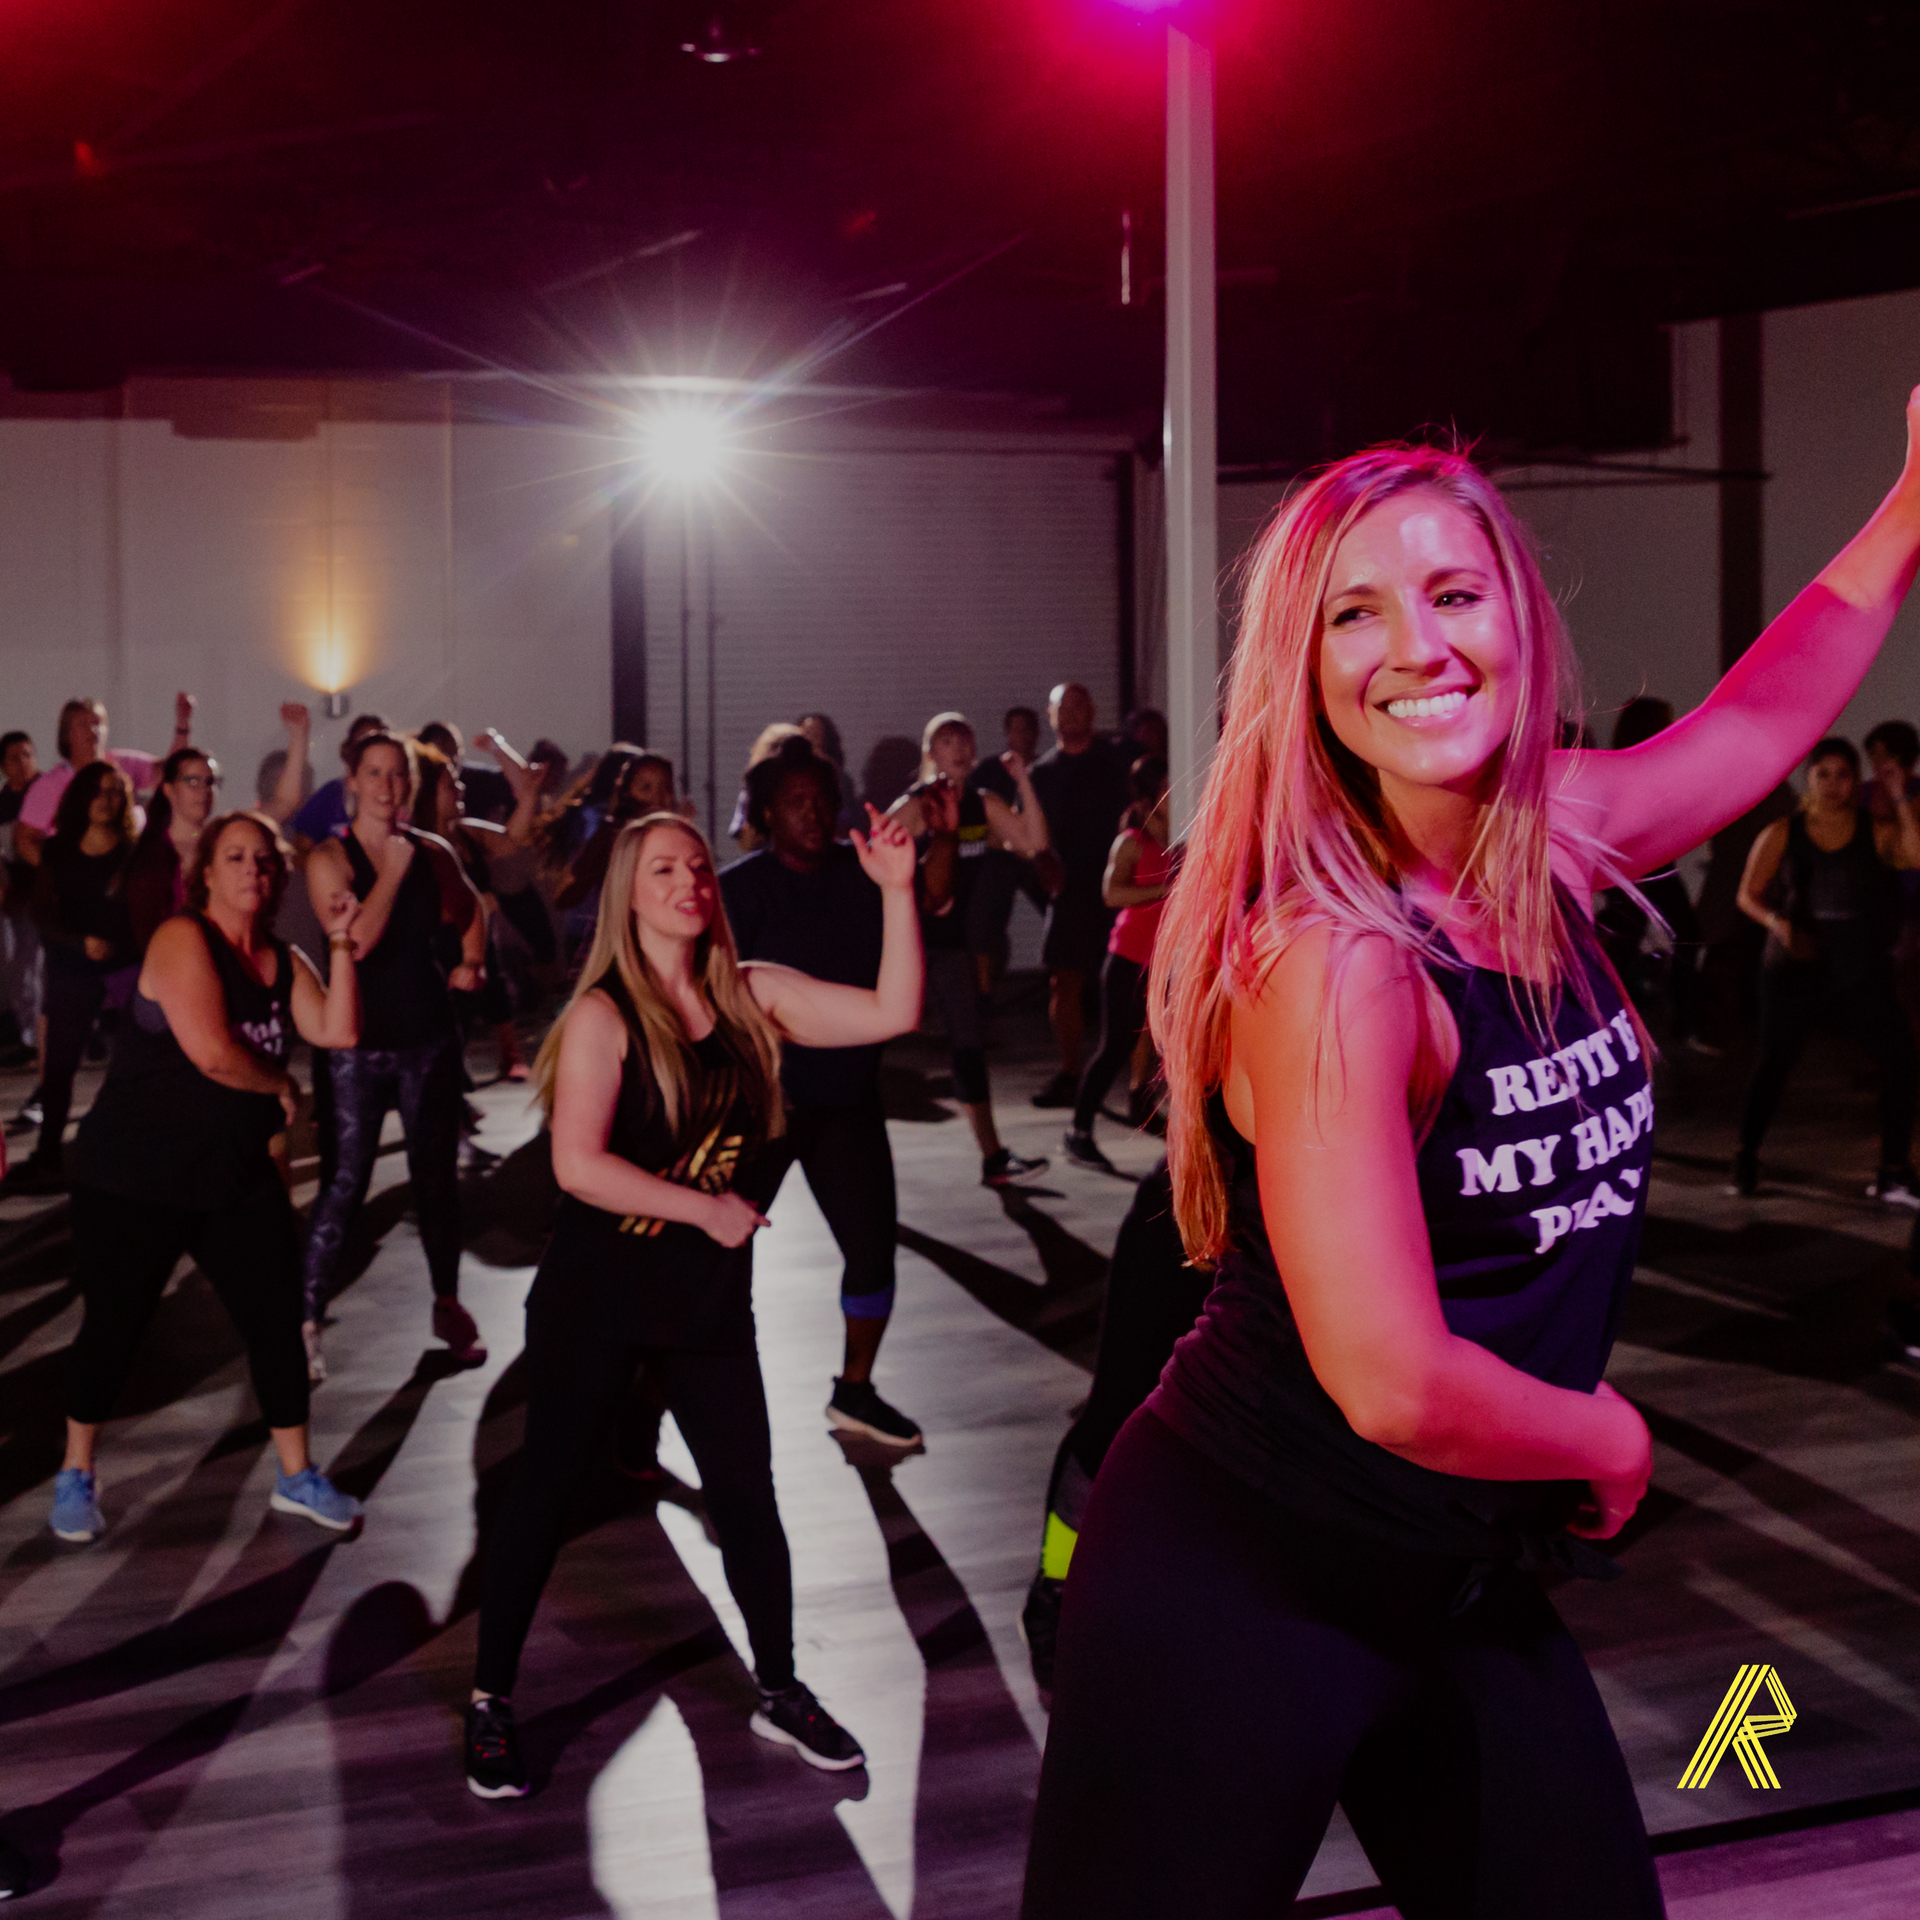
point(653, 1021)
point(1292, 831)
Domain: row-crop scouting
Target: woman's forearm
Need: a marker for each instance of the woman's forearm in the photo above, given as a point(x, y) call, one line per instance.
point(902, 969)
point(238, 1067)
point(604, 1180)
point(340, 1013)
point(1475, 1415)
point(1756, 909)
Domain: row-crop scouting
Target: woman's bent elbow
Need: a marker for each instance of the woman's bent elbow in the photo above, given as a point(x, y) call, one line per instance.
point(1390, 1414)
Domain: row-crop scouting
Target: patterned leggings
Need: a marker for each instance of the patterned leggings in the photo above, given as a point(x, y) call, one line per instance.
point(424, 1084)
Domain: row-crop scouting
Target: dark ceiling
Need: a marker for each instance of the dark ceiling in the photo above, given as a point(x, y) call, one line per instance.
point(1470, 211)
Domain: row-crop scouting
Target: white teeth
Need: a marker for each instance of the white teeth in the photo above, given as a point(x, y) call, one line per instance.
point(1420, 709)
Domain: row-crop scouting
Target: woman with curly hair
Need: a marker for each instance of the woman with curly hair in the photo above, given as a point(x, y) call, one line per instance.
point(1409, 1130)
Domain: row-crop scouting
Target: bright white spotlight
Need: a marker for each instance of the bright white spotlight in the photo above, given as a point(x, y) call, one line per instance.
point(686, 447)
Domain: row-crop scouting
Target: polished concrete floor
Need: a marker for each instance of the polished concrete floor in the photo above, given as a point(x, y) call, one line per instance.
point(216, 1711)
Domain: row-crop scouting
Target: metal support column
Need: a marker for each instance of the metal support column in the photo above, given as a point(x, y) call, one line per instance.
point(1192, 460)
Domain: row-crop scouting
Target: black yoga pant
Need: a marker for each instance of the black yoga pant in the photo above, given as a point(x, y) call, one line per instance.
point(1226, 1673)
point(1123, 1019)
point(124, 1251)
point(424, 1084)
point(576, 1380)
point(1153, 1297)
point(954, 987)
point(843, 1151)
point(74, 998)
point(1852, 980)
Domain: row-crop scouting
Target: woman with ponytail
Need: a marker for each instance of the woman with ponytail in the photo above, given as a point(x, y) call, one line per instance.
point(1409, 1132)
point(661, 1083)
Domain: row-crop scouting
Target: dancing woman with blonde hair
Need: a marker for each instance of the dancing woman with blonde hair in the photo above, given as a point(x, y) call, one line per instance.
point(661, 1082)
point(1409, 1129)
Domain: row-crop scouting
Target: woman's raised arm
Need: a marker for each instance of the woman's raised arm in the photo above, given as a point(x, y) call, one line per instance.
point(1653, 802)
point(822, 1013)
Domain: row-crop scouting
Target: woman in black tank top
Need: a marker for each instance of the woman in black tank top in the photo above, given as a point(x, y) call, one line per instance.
point(177, 1155)
point(417, 912)
point(1409, 1131)
point(1821, 883)
point(662, 1084)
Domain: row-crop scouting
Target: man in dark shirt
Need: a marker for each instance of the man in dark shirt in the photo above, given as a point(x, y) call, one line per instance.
point(802, 900)
point(1082, 784)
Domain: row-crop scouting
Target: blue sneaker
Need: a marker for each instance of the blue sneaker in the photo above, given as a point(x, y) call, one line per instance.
point(76, 1513)
point(311, 1495)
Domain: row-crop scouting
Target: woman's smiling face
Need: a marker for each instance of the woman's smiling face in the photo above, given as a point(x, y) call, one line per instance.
point(1419, 661)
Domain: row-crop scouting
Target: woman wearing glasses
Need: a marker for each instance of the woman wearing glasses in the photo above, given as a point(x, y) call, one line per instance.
point(156, 879)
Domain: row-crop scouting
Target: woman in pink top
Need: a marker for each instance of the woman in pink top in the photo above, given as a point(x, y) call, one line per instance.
point(1140, 871)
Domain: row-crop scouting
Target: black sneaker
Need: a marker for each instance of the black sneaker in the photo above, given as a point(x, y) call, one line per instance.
point(1903, 1317)
point(1061, 1091)
point(38, 1173)
point(1082, 1151)
point(1897, 1186)
point(856, 1408)
point(1746, 1174)
point(494, 1771)
point(794, 1718)
point(14, 1871)
point(1003, 1167)
point(30, 1114)
point(1040, 1627)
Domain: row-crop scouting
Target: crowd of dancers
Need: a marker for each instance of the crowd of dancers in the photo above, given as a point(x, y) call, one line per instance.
point(1349, 1394)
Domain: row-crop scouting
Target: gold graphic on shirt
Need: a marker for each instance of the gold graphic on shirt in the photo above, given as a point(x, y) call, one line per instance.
point(707, 1168)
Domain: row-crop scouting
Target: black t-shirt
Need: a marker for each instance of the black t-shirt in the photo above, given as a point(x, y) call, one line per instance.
point(989, 776)
point(1533, 1180)
point(1083, 796)
point(665, 1283)
point(11, 803)
point(829, 924)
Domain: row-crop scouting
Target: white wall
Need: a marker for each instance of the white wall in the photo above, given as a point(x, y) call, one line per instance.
point(253, 540)
point(883, 581)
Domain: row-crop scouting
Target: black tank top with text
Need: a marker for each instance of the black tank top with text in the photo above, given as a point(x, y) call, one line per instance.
point(656, 1282)
point(1533, 1179)
point(160, 1130)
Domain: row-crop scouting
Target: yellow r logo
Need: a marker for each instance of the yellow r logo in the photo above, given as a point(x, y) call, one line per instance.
point(1733, 1726)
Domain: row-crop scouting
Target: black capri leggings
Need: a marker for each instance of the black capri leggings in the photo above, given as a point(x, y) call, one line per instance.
point(124, 1251)
point(1227, 1672)
point(424, 1084)
point(576, 1379)
point(1123, 1019)
point(74, 997)
point(1852, 980)
point(843, 1150)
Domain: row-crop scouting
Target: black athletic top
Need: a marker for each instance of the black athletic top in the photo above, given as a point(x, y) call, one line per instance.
point(1083, 796)
point(949, 929)
point(1818, 890)
point(403, 991)
point(1533, 1180)
point(664, 1283)
point(830, 924)
point(160, 1130)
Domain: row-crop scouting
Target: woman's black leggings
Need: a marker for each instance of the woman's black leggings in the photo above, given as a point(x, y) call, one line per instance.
point(1853, 981)
point(576, 1379)
point(842, 1148)
point(1153, 1297)
point(424, 1084)
point(74, 998)
point(124, 1251)
point(1123, 1019)
point(1227, 1673)
point(954, 987)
